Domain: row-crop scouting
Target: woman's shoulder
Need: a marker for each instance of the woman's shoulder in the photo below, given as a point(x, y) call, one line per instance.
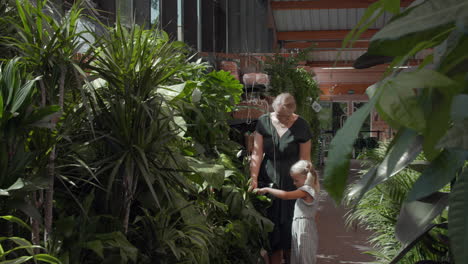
point(302, 120)
point(264, 117)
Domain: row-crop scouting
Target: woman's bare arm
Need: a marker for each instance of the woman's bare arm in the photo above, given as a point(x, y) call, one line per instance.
point(304, 150)
point(256, 159)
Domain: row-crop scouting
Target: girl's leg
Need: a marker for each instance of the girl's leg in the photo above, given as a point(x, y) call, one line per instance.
point(265, 256)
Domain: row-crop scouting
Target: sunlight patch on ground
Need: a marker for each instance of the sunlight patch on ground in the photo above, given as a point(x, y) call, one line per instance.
point(327, 256)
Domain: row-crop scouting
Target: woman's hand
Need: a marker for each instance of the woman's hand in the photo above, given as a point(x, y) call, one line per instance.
point(253, 183)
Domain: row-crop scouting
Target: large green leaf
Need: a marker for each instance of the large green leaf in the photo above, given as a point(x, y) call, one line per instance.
point(341, 147)
point(399, 100)
point(47, 258)
point(19, 184)
point(212, 173)
point(455, 57)
point(16, 220)
point(458, 219)
point(438, 120)
point(408, 247)
point(171, 92)
point(27, 208)
point(119, 241)
point(458, 111)
point(19, 260)
point(416, 216)
point(405, 148)
point(439, 173)
point(1, 106)
point(456, 137)
point(96, 246)
point(420, 23)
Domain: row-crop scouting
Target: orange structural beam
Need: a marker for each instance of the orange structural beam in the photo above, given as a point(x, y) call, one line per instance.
point(324, 45)
point(343, 88)
point(322, 34)
point(327, 4)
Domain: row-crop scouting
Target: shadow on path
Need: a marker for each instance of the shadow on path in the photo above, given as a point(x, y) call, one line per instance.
point(337, 243)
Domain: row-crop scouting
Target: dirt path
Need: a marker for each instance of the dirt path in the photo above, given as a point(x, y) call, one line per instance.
point(338, 244)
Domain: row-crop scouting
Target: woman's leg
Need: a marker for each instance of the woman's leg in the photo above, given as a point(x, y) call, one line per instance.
point(287, 256)
point(276, 257)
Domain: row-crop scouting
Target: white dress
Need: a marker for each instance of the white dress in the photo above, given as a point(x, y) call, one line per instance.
point(304, 231)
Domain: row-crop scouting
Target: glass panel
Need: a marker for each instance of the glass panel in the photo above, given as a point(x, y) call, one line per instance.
point(180, 20)
point(155, 12)
point(325, 116)
point(331, 117)
point(125, 10)
point(366, 139)
point(366, 126)
point(339, 115)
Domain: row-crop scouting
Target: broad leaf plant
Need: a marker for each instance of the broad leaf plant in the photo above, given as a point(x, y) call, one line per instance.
point(427, 106)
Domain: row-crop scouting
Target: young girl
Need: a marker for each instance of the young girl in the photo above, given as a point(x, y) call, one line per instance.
point(304, 231)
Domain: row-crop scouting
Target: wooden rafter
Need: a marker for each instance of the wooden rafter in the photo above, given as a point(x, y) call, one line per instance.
point(323, 45)
point(327, 4)
point(329, 64)
point(321, 35)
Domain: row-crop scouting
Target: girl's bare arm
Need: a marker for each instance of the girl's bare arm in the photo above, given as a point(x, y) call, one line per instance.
point(284, 195)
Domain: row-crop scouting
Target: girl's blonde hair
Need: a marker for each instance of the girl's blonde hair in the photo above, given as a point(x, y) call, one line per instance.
point(305, 168)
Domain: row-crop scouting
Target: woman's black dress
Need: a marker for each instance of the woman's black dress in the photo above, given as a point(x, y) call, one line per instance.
point(280, 154)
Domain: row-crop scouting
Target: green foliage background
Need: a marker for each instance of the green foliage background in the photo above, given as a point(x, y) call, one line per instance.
point(287, 77)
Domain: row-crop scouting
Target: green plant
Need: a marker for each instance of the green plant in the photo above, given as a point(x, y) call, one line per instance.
point(379, 209)
point(425, 105)
point(206, 105)
point(19, 119)
point(48, 42)
point(131, 117)
point(168, 236)
point(22, 251)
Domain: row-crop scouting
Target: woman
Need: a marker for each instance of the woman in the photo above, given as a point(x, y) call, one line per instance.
point(281, 139)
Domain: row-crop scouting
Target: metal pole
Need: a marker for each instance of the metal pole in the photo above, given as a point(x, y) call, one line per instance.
point(199, 26)
point(227, 26)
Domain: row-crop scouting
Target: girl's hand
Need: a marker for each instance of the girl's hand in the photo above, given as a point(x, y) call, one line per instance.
point(261, 191)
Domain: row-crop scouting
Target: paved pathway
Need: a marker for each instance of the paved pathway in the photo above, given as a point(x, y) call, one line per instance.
point(338, 244)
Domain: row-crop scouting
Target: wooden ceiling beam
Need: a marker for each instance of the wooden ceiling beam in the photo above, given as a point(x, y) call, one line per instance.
point(329, 64)
point(322, 64)
point(327, 4)
point(321, 35)
point(323, 45)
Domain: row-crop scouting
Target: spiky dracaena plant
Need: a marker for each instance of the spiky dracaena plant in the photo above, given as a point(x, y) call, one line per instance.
point(131, 116)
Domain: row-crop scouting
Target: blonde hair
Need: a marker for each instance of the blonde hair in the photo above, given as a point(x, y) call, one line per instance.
point(305, 168)
point(279, 99)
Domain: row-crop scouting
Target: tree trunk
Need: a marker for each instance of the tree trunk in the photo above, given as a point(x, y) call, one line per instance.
point(49, 202)
point(35, 229)
point(127, 201)
point(43, 93)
